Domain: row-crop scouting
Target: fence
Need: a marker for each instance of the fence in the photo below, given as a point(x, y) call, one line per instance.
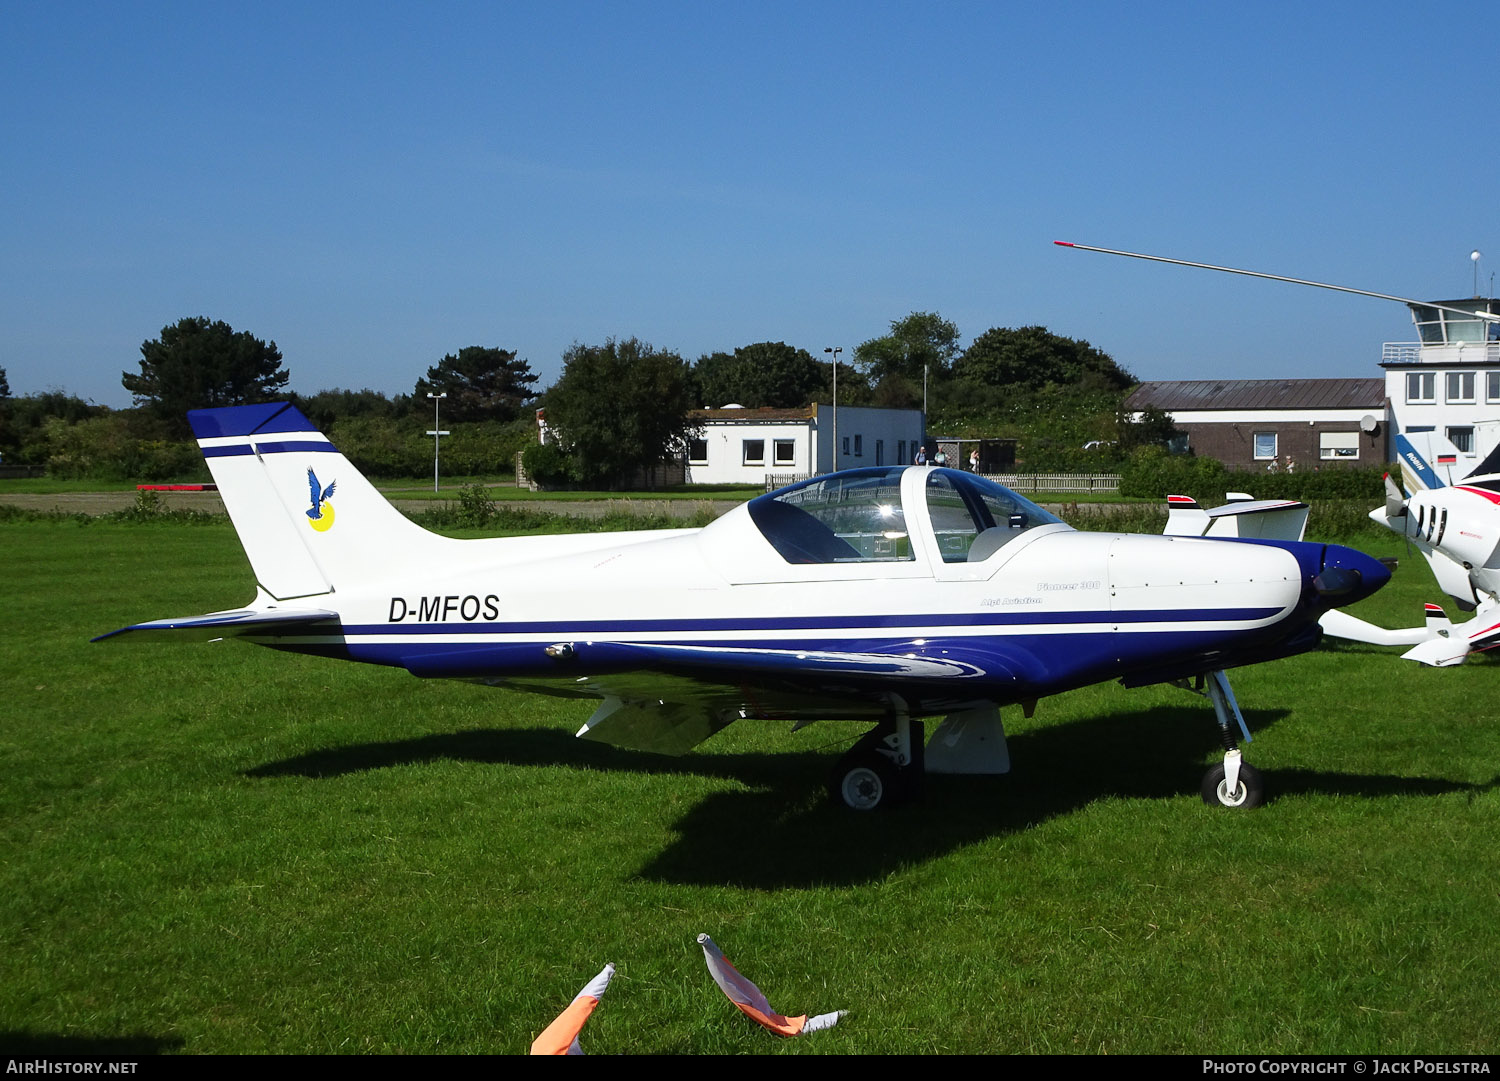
point(1017, 482)
point(1058, 482)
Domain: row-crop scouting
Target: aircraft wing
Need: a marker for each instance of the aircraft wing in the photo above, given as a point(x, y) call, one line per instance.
point(232, 624)
point(1341, 624)
point(669, 698)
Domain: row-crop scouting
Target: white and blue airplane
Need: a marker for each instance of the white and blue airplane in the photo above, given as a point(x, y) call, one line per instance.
point(882, 595)
point(1455, 524)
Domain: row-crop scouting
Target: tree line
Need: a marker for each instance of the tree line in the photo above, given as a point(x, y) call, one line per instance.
point(616, 406)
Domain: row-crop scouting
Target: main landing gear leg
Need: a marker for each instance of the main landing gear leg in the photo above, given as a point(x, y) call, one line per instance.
point(882, 769)
point(1236, 783)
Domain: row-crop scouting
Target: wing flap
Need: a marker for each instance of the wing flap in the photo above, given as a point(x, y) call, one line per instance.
point(662, 727)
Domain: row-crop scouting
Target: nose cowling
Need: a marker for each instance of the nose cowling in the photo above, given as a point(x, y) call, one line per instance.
point(1346, 576)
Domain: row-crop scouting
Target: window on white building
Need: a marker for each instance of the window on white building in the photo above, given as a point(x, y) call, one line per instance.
point(1265, 445)
point(1421, 387)
point(859, 446)
point(786, 452)
point(1492, 386)
point(698, 451)
point(755, 452)
point(1338, 445)
point(1462, 438)
point(1460, 386)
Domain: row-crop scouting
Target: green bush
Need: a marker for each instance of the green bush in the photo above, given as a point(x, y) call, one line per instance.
point(1152, 473)
point(550, 465)
point(485, 448)
point(109, 448)
point(1336, 482)
point(388, 447)
point(383, 447)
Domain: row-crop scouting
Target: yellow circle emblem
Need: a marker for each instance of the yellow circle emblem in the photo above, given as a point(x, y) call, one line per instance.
point(324, 521)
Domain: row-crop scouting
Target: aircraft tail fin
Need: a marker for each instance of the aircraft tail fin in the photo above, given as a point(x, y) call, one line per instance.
point(1185, 517)
point(1490, 465)
point(1438, 623)
point(1427, 460)
point(308, 520)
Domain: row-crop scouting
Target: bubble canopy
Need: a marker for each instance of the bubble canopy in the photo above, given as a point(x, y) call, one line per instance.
point(858, 516)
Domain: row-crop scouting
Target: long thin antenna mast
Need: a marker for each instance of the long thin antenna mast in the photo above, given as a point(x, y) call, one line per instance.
point(1487, 316)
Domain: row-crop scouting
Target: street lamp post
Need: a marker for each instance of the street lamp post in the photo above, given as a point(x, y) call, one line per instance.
point(835, 353)
point(437, 434)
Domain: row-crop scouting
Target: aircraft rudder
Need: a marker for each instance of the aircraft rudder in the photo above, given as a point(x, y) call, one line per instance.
point(306, 516)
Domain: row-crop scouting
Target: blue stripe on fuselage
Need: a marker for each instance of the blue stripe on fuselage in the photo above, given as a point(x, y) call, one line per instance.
point(605, 627)
point(1012, 666)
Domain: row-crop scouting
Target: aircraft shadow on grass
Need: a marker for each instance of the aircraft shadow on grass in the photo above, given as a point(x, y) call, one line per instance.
point(784, 832)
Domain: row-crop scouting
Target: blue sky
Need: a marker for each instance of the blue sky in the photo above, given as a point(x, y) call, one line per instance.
point(374, 185)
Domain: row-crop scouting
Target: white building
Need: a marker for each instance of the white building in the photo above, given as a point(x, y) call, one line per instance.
point(1449, 380)
point(744, 446)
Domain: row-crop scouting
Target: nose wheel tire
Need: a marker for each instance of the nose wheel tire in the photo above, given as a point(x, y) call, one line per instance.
point(1250, 791)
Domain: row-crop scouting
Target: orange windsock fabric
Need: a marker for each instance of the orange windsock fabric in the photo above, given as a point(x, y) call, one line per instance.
point(561, 1037)
point(752, 1003)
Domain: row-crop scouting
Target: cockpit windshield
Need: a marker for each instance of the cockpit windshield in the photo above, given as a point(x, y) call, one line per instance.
point(974, 518)
point(850, 517)
point(857, 517)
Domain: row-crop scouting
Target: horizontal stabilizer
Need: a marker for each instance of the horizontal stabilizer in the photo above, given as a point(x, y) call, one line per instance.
point(1241, 517)
point(216, 625)
point(1439, 652)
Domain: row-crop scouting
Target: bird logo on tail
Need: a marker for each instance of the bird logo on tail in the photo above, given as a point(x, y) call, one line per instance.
point(320, 514)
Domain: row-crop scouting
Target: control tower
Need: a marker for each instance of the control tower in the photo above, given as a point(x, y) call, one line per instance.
point(1448, 381)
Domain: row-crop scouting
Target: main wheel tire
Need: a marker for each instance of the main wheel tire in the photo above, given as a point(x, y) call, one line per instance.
point(1251, 791)
point(864, 782)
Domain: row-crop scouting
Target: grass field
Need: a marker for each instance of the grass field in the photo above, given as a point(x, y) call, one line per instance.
point(219, 848)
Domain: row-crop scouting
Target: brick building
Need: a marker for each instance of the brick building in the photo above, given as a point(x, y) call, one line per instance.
point(1250, 423)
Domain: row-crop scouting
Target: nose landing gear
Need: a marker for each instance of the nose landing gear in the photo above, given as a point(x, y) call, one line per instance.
point(1234, 783)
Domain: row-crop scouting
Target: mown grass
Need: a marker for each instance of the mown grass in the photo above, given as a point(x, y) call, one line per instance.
point(220, 848)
